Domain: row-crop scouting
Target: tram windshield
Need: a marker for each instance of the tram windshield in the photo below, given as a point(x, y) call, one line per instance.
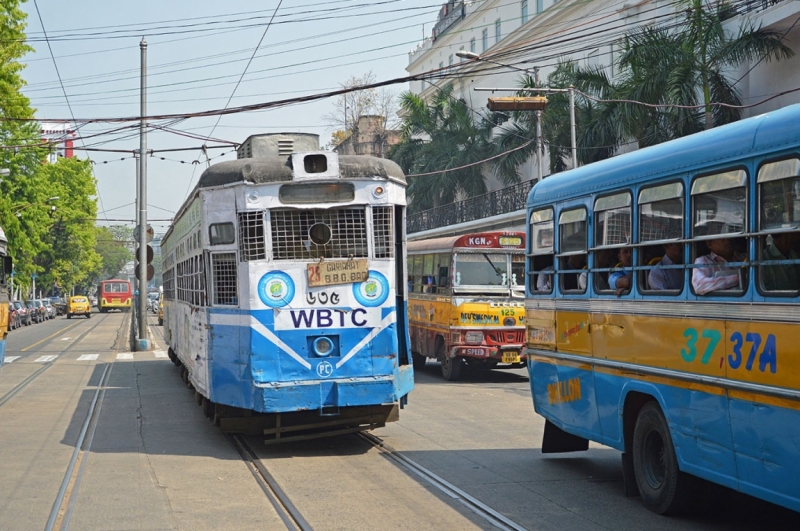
point(490, 270)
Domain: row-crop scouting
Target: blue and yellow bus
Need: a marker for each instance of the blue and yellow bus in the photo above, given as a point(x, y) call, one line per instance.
point(661, 311)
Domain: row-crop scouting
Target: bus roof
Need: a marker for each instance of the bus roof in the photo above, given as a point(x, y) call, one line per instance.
point(765, 133)
point(479, 241)
point(269, 170)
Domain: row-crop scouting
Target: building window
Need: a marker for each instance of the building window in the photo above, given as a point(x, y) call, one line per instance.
point(485, 39)
point(524, 11)
point(441, 65)
point(472, 45)
point(450, 61)
point(497, 32)
point(539, 6)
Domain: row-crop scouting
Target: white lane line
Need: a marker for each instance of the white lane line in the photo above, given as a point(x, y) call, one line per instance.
point(45, 359)
point(160, 354)
point(9, 359)
point(65, 339)
point(121, 357)
point(88, 357)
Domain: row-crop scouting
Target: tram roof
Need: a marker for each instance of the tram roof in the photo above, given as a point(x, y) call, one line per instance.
point(764, 133)
point(270, 170)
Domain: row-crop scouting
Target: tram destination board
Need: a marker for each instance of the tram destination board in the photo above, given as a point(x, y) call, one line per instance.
point(339, 272)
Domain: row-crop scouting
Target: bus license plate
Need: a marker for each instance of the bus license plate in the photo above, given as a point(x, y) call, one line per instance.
point(510, 357)
point(340, 272)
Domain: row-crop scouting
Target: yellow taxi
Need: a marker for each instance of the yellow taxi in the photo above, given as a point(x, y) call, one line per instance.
point(161, 310)
point(79, 305)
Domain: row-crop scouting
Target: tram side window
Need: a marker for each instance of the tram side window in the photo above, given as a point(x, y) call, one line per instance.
point(718, 222)
point(612, 238)
point(661, 224)
point(572, 250)
point(541, 259)
point(428, 274)
point(779, 218)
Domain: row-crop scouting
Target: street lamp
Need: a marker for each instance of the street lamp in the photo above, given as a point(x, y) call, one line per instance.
point(472, 56)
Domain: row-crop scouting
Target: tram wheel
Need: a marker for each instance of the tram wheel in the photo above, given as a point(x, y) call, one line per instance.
point(198, 398)
point(664, 488)
point(419, 360)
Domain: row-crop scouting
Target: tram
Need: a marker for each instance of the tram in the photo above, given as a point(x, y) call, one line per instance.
point(114, 294)
point(466, 301)
point(669, 329)
point(5, 275)
point(284, 290)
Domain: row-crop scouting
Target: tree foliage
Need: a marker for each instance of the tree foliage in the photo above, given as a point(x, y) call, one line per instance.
point(113, 247)
point(441, 135)
point(349, 107)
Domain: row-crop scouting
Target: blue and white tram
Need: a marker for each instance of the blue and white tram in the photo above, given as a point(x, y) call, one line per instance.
point(284, 288)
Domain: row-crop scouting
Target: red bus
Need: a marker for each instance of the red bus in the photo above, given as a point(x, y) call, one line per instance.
point(114, 294)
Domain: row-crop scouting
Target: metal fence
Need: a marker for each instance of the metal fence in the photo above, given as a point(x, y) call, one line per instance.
point(501, 201)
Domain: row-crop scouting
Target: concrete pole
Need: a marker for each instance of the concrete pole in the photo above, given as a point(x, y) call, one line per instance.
point(572, 126)
point(143, 343)
point(539, 143)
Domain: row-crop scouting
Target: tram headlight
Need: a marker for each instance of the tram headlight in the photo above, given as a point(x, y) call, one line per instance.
point(378, 191)
point(473, 338)
point(323, 347)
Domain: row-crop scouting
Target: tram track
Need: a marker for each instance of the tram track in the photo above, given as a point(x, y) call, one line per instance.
point(32, 377)
point(66, 498)
point(476, 506)
point(286, 510)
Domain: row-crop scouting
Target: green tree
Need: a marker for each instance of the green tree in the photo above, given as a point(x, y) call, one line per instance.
point(112, 244)
point(70, 258)
point(441, 135)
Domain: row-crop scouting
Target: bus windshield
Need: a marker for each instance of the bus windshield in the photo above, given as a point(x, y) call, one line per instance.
point(489, 270)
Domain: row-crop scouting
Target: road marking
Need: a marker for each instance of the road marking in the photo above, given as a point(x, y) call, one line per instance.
point(46, 359)
point(9, 359)
point(123, 356)
point(88, 357)
point(48, 337)
point(160, 354)
point(65, 339)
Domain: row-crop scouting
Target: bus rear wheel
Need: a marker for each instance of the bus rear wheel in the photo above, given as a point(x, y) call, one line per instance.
point(663, 487)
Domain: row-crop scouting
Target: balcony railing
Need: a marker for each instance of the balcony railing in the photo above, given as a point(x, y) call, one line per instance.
point(503, 201)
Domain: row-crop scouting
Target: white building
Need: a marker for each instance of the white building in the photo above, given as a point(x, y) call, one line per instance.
point(537, 33)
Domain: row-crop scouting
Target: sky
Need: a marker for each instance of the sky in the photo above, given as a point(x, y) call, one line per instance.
point(197, 53)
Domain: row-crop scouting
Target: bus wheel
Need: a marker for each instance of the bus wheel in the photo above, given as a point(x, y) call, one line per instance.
point(664, 488)
point(451, 368)
point(419, 360)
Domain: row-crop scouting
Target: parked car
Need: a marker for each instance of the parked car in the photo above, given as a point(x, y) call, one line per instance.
point(33, 311)
point(60, 305)
point(14, 320)
point(22, 311)
point(79, 305)
point(51, 310)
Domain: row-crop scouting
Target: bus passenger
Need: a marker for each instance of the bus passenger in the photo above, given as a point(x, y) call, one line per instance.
point(544, 280)
point(575, 281)
point(604, 259)
point(780, 277)
point(717, 275)
point(620, 279)
point(660, 278)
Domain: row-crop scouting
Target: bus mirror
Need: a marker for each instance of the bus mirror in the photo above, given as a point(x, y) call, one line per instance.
point(7, 265)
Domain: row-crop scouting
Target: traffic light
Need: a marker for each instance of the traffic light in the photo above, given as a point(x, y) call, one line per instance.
point(150, 270)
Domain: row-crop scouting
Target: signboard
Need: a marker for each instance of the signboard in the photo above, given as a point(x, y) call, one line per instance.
point(340, 272)
point(149, 233)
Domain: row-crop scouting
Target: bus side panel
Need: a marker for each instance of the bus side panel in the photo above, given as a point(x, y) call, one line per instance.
point(563, 392)
point(766, 435)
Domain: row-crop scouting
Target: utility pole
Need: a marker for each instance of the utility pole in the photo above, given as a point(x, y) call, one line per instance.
point(539, 143)
point(143, 343)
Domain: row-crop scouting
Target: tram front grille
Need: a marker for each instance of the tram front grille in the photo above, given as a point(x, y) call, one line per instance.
point(292, 239)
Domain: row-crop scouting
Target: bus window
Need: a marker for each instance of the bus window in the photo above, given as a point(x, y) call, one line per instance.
point(443, 261)
point(517, 272)
point(428, 274)
point(417, 275)
point(779, 213)
point(573, 239)
point(541, 250)
point(661, 222)
point(612, 238)
point(718, 215)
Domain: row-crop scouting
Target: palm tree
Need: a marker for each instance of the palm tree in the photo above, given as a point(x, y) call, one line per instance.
point(441, 135)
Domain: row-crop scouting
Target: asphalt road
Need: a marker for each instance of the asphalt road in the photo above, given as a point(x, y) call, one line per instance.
point(150, 460)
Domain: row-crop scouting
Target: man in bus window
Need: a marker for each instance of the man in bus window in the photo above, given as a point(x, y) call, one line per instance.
point(660, 278)
point(620, 279)
point(780, 277)
point(575, 281)
point(604, 259)
point(717, 275)
point(544, 280)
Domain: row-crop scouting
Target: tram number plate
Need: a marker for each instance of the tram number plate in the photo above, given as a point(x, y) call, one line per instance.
point(341, 272)
point(510, 357)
